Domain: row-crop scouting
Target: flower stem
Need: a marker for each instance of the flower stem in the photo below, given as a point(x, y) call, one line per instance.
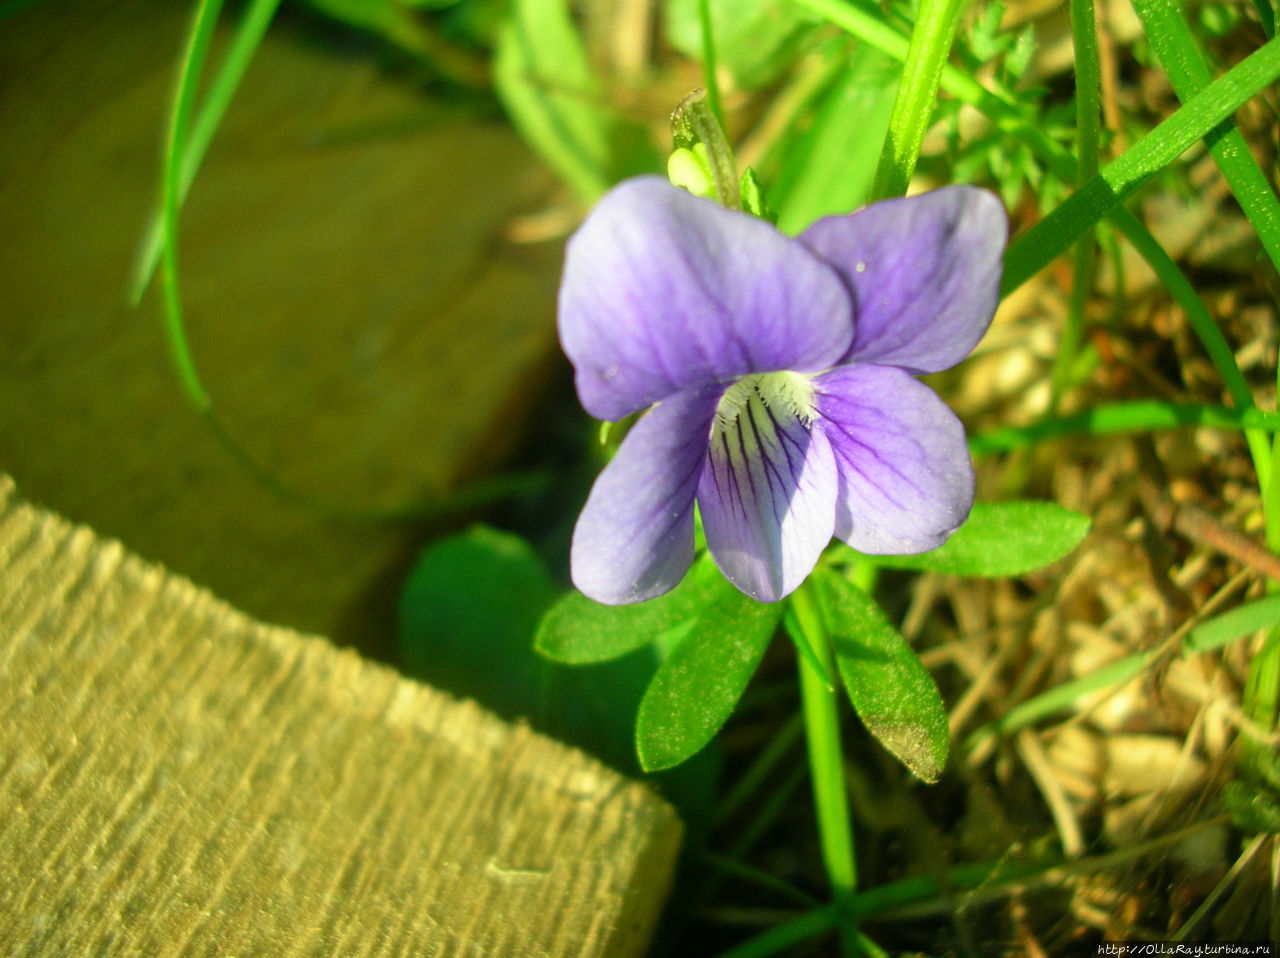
point(826, 764)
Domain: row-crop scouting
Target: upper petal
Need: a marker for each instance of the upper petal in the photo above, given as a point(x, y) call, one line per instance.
point(634, 538)
point(906, 479)
point(925, 271)
point(663, 291)
point(768, 497)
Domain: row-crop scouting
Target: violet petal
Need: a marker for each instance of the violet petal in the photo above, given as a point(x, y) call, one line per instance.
point(925, 271)
point(634, 538)
point(663, 291)
point(767, 497)
point(906, 479)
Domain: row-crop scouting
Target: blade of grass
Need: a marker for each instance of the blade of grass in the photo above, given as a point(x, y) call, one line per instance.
point(781, 937)
point(926, 55)
point(1205, 636)
point(826, 763)
point(709, 61)
point(249, 33)
point(546, 82)
point(1120, 178)
point(204, 21)
point(1171, 40)
point(191, 66)
point(1084, 38)
point(1113, 418)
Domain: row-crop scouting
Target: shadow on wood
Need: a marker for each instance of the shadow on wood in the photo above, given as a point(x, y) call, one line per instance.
point(360, 322)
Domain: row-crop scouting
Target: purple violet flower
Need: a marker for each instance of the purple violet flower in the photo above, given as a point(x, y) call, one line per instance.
point(778, 377)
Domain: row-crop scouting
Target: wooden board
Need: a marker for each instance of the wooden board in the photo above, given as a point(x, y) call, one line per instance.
point(363, 327)
point(177, 778)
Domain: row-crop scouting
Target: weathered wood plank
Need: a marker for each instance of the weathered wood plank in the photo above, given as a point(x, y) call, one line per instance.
point(177, 778)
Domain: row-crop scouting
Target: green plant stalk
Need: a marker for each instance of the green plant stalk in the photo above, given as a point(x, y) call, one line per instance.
point(203, 24)
point(826, 762)
point(253, 25)
point(1266, 14)
point(709, 61)
point(1120, 178)
point(1142, 415)
point(1206, 331)
point(761, 878)
point(694, 121)
point(1088, 111)
point(926, 55)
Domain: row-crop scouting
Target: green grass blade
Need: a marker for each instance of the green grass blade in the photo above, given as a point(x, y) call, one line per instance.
point(1120, 178)
point(1128, 417)
point(253, 26)
point(192, 65)
point(926, 55)
point(1171, 41)
point(1208, 635)
point(1236, 624)
point(544, 79)
point(1084, 36)
point(786, 935)
point(709, 61)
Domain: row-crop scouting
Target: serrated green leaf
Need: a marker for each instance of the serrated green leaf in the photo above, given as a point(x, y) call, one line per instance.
point(579, 631)
point(893, 694)
point(695, 690)
point(1001, 539)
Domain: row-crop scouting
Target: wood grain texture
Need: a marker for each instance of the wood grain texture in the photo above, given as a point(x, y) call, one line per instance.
point(177, 778)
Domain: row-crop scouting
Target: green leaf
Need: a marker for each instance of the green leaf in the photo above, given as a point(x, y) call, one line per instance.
point(695, 690)
point(546, 83)
point(893, 694)
point(467, 617)
point(1235, 624)
point(472, 603)
point(1001, 539)
point(756, 40)
point(752, 195)
point(828, 168)
point(579, 631)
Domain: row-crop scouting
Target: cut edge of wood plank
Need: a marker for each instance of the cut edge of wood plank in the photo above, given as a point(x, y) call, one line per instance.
point(262, 751)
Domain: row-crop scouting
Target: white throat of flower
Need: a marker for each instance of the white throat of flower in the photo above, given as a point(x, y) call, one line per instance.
point(769, 401)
